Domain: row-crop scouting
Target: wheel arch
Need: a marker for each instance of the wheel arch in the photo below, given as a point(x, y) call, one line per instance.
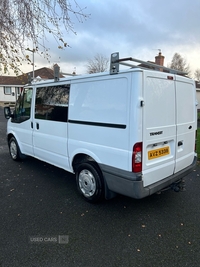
point(9, 136)
point(20, 154)
point(81, 158)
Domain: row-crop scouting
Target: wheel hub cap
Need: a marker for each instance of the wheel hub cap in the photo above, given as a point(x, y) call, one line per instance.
point(13, 150)
point(87, 183)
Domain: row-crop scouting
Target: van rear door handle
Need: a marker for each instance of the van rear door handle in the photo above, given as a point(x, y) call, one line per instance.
point(180, 143)
point(37, 126)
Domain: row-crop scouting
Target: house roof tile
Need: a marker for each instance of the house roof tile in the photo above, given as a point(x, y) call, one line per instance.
point(44, 73)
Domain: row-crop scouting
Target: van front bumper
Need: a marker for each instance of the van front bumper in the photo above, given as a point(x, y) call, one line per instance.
point(131, 184)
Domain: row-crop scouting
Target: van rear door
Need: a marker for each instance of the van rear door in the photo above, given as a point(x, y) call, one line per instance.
point(169, 125)
point(159, 126)
point(186, 122)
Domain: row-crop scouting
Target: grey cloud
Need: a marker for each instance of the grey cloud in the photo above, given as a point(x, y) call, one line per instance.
point(134, 28)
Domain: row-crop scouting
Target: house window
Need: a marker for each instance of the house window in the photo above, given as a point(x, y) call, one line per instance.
point(7, 90)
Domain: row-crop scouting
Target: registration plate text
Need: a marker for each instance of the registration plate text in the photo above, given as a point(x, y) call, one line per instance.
point(157, 153)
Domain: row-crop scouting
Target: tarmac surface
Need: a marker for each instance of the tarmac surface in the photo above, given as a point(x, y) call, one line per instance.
point(45, 223)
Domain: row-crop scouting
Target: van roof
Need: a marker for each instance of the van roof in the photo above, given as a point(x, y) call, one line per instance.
point(114, 69)
point(78, 77)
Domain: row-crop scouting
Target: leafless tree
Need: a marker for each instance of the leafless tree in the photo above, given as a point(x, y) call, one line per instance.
point(179, 63)
point(98, 64)
point(29, 21)
point(197, 74)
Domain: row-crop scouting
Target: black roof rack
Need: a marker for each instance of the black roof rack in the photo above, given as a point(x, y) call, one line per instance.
point(115, 61)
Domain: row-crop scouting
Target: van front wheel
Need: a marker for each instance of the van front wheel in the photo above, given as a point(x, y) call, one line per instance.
point(89, 181)
point(14, 149)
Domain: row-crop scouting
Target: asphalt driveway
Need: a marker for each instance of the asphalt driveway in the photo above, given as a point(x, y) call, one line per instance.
point(44, 222)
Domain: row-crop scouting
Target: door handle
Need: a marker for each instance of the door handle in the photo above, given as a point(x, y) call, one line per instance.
point(37, 126)
point(180, 143)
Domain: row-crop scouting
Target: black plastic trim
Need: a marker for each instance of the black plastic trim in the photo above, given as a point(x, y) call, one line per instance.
point(91, 123)
point(131, 184)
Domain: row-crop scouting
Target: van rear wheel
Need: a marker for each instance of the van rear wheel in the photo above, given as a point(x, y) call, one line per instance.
point(89, 181)
point(14, 149)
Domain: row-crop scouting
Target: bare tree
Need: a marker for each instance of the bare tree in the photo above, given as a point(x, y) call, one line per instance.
point(98, 64)
point(179, 63)
point(197, 74)
point(29, 21)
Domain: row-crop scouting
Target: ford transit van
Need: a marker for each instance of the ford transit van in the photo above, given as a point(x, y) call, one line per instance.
point(129, 132)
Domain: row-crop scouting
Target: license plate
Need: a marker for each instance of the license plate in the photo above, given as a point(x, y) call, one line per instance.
point(157, 153)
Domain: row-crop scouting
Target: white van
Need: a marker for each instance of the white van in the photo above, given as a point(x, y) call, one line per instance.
point(130, 132)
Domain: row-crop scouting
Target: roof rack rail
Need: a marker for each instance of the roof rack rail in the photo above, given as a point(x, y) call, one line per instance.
point(115, 61)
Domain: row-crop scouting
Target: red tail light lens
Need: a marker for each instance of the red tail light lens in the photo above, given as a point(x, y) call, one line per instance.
point(137, 158)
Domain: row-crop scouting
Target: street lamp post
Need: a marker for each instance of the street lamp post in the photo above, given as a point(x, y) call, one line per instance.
point(33, 51)
point(33, 65)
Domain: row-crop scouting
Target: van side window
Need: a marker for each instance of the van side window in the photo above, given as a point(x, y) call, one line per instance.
point(23, 106)
point(52, 103)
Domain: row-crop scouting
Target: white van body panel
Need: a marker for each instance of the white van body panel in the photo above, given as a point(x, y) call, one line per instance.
point(24, 136)
point(186, 123)
point(99, 121)
point(50, 143)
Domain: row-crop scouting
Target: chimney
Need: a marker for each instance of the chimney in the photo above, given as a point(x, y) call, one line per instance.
point(159, 60)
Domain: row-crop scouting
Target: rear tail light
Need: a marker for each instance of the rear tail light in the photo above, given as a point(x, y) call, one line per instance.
point(137, 158)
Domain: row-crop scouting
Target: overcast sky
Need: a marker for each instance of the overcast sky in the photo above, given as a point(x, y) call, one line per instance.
point(136, 28)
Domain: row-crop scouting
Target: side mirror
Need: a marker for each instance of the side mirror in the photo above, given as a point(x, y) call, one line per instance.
point(7, 113)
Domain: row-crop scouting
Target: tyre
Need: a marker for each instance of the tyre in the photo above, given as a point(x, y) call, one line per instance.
point(14, 149)
point(89, 181)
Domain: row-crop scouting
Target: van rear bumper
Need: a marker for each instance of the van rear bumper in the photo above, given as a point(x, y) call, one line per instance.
point(131, 184)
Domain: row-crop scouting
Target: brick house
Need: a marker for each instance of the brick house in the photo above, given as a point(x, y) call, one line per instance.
point(11, 86)
point(159, 60)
